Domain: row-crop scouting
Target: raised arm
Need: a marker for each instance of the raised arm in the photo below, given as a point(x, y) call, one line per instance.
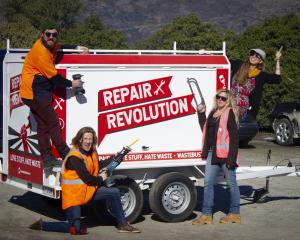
point(277, 60)
point(201, 115)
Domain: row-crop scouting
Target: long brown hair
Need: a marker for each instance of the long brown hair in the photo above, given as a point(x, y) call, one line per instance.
point(76, 141)
point(229, 102)
point(242, 74)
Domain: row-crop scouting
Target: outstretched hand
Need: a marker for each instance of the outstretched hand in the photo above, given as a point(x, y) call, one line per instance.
point(84, 50)
point(201, 108)
point(278, 54)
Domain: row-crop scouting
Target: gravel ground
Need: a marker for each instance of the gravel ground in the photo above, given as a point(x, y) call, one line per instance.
point(277, 218)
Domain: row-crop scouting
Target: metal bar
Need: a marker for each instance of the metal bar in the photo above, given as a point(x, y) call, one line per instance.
point(262, 172)
point(139, 52)
point(174, 47)
point(268, 164)
point(7, 45)
point(224, 48)
point(174, 51)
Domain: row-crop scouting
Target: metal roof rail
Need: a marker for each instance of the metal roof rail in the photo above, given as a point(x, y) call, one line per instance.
point(173, 51)
point(8, 49)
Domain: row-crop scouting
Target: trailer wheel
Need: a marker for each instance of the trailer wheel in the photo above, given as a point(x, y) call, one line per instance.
point(173, 197)
point(131, 199)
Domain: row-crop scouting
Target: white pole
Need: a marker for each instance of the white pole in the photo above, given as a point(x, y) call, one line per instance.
point(174, 47)
point(7, 45)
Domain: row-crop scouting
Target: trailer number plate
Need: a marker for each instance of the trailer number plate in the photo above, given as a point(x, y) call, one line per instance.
point(48, 191)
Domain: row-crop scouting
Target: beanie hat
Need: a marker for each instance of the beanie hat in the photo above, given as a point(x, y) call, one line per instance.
point(48, 24)
point(259, 52)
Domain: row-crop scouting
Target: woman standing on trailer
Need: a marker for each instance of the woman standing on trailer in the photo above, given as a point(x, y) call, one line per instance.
point(220, 147)
point(248, 79)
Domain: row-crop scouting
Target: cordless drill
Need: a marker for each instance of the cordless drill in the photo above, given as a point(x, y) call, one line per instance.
point(116, 160)
point(79, 90)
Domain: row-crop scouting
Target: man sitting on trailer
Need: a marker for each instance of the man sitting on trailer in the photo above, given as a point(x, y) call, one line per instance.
point(82, 182)
point(39, 78)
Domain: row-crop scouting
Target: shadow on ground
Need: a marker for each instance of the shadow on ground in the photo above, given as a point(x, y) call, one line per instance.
point(52, 208)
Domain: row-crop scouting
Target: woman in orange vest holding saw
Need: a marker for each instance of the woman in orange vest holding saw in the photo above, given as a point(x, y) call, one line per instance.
point(220, 147)
point(82, 182)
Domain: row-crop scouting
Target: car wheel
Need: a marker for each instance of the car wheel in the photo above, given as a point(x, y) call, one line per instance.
point(284, 132)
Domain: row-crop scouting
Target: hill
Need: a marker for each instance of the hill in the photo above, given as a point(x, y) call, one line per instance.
point(139, 19)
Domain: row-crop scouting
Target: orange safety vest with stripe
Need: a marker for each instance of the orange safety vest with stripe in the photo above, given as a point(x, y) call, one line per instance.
point(39, 61)
point(74, 191)
point(222, 144)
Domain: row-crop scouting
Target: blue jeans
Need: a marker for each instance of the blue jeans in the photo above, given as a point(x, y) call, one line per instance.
point(112, 195)
point(211, 172)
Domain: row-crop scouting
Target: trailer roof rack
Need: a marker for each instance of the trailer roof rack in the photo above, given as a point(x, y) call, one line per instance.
point(173, 51)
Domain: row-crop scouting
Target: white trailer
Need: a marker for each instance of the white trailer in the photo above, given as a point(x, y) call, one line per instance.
point(129, 94)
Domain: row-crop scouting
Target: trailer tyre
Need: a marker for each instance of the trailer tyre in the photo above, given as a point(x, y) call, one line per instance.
point(173, 197)
point(131, 199)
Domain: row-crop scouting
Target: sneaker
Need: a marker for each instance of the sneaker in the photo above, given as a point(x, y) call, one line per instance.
point(231, 218)
point(127, 228)
point(37, 225)
point(203, 219)
point(83, 231)
point(50, 162)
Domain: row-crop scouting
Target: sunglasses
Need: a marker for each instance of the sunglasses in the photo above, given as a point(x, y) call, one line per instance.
point(221, 98)
point(254, 54)
point(48, 34)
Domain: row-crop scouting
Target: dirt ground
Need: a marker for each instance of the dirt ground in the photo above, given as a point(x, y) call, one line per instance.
point(277, 218)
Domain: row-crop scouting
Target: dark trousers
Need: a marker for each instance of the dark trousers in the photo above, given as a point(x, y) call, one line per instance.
point(111, 195)
point(48, 127)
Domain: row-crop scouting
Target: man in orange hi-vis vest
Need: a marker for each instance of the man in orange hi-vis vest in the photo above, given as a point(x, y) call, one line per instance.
point(82, 182)
point(39, 78)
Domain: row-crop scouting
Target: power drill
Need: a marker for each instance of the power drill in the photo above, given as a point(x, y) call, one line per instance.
point(116, 160)
point(79, 90)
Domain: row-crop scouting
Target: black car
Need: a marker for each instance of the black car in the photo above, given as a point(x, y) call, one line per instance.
point(285, 120)
point(247, 131)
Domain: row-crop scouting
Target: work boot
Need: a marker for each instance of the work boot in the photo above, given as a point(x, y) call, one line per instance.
point(37, 225)
point(231, 218)
point(127, 228)
point(203, 219)
point(50, 162)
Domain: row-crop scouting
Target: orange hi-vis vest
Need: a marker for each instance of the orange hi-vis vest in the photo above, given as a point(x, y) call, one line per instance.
point(222, 144)
point(39, 61)
point(74, 191)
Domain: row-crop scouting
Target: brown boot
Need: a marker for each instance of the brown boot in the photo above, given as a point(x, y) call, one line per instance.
point(127, 228)
point(203, 219)
point(231, 218)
